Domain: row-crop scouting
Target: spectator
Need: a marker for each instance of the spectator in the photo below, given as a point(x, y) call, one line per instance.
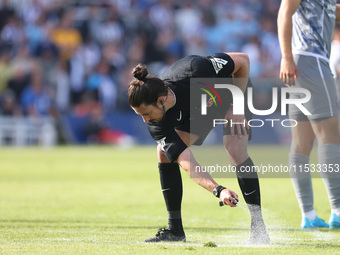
point(36, 33)
point(111, 29)
point(9, 104)
point(13, 33)
point(35, 99)
point(6, 12)
point(253, 50)
point(102, 86)
point(67, 38)
point(82, 63)
point(5, 68)
point(18, 83)
point(162, 15)
point(61, 87)
point(22, 59)
point(99, 131)
point(33, 12)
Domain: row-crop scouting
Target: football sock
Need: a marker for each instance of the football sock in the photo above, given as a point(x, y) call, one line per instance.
point(309, 215)
point(336, 211)
point(249, 182)
point(302, 182)
point(171, 183)
point(329, 156)
point(249, 185)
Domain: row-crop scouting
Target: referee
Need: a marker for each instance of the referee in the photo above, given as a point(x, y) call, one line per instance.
point(164, 104)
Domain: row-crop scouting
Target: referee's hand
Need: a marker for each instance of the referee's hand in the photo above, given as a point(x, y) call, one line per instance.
point(236, 119)
point(228, 197)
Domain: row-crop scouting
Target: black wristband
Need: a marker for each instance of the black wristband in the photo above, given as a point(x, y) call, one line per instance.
point(217, 190)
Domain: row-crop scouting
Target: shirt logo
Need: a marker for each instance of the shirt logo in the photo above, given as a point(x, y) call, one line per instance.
point(247, 194)
point(218, 63)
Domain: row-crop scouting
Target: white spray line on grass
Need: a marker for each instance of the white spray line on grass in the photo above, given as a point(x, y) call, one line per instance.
point(323, 236)
point(238, 241)
point(283, 231)
point(279, 230)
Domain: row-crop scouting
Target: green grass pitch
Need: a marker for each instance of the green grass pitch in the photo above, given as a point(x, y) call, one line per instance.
point(105, 200)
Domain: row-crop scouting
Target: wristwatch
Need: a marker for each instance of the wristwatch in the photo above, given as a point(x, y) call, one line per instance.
point(217, 191)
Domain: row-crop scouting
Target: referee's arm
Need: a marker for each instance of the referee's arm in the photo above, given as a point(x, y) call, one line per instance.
point(187, 161)
point(241, 69)
point(337, 12)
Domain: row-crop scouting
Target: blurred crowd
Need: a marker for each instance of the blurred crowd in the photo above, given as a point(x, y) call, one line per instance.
point(76, 55)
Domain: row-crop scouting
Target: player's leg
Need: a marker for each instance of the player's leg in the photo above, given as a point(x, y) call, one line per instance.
point(324, 109)
point(316, 77)
point(302, 143)
point(171, 184)
point(328, 136)
point(246, 175)
point(249, 184)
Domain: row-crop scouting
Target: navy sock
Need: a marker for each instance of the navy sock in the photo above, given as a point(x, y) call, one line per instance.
point(171, 183)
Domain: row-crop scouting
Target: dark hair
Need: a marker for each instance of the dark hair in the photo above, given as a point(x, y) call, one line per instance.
point(145, 89)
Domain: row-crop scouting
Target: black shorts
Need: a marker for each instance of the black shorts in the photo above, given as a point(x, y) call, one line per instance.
point(202, 125)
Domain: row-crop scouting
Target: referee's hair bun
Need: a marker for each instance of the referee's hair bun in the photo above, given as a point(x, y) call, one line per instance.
point(140, 72)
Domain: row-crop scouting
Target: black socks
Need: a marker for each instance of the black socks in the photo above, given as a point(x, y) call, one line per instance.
point(249, 185)
point(171, 183)
point(249, 182)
